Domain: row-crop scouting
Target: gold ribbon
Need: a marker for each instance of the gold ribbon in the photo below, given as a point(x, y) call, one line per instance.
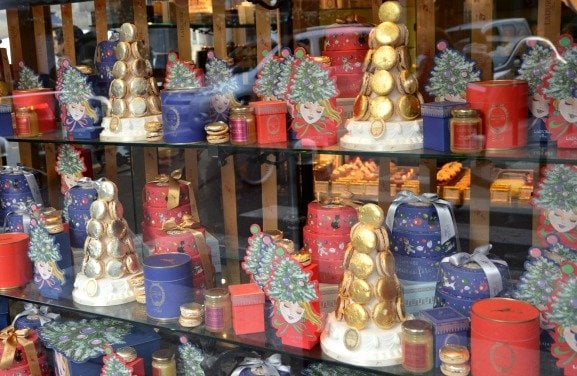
point(173, 181)
point(11, 338)
point(189, 224)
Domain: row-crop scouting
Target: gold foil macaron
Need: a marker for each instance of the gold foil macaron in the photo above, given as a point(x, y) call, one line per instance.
point(388, 33)
point(381, 107)
point(345, 285)
point(361, 291)
point(385, 315)
point(137, 106)
point(94, 228)
point(132, 264)
point(385, 57)
point(364, 239)
point(93, 268)
point(407, 82)
point(454, 354)
point(386, 264)
point(139, 50)
point(361, 265)
point(94, 248)
point(98, 209)
point(107, 190)
point(138, 86)
point(122, 51)
point(367, 63)
point(387, 288)
point(390, 11)
point(153, 86)
point(372, 214)
point(127, 32)
point(153, 105)
point(340, 307)
point(118, 108)
point(114, 268)
point(117, 228)
point(409, 107)
point(403, 57)
point(361, 107)
point(119, 69)
point(382, 82)
point(356, 316)
point(115, 209)
point(116, 248)
point(117, 88)
point(139, 68)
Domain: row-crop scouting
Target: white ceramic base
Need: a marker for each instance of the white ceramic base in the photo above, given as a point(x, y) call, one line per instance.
point(102, 292)
point(129, 129)
point(376, 347)
point(397, 136)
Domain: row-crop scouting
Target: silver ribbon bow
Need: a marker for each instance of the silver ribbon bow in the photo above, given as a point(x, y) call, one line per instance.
point(271, 366)
point(42, 312)
point(479, 256)
point(446, 220)
point(30, 179)
point(22, 210)
point(85, 182)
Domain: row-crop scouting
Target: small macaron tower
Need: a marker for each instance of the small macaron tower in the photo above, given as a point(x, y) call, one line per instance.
point(454, 360)
point(217, 132)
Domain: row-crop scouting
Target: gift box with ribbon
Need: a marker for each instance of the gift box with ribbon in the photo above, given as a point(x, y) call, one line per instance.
point(34, 316)
point(77, 201)
point(423, 231)
point(259, 366)
point(22, 353)
point(468, 277)
point(18, 185)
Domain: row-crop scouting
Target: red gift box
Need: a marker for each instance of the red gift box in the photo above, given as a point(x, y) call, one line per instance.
point(270, 119)
point(15, 266)
point(247, 308)
point(32, 358)
point(504, 337)
point(349, 84)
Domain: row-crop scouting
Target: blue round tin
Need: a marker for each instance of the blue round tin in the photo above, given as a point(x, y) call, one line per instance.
point(185, 112)
point(167, 284)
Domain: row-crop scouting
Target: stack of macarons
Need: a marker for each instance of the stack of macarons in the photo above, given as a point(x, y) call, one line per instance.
point(454, 360)
point(191, 315)
point(217, 132)
point(153, 130)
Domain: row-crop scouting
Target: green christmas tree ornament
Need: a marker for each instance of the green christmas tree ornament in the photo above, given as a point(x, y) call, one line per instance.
point(219, 75)
point(74, 86)
point(562, 80)
point(27, 78)
point(558, 189)
point(69, 161)
point(43, 247)
point(180, 74)
point(189, 360)
point(310, 82)
point(536, 63)
point(290, 283)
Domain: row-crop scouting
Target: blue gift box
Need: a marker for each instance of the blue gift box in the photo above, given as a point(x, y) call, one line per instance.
point(436, 116)
point(6, 128)
point(449, 328)
point(4, 316)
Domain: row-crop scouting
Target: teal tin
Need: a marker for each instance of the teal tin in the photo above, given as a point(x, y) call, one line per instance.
point(167, 284)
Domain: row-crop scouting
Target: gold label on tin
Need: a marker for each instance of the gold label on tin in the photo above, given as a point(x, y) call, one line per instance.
point(377, 128)
point(91, 287)
point(351, 339)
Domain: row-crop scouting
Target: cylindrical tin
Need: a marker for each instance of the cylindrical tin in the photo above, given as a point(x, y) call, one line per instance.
point(504, 337)
point(15, 266)
point(184, 114)
point(503, 107)
point(167, 284)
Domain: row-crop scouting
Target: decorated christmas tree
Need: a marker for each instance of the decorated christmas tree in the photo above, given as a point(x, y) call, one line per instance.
point(260, 253)
point(43, 247)
point(268, 75)
point(83, 339)
point(69, 160)
point(285, 72)
point(27, 78)
point(73, 84)
point(189, 359)
point(451, 73)
point(538, 282)
point(309, 83)
point(564, 301)
point(219, 75)
point(113, 364)
point(180, 74)
point(290, 283)
point(557, 191)
point(536, 62)
point(561, 84)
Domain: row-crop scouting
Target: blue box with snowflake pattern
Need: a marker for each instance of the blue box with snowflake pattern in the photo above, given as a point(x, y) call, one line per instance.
point(78, 345)
point(436, 117)
point(449, 328)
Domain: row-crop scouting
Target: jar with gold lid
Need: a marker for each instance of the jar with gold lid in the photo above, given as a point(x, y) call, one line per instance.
point(417, 346)
point(217, 310)
point(25, 122)
point(163, 363)
point(242, 125)
point(466, 130)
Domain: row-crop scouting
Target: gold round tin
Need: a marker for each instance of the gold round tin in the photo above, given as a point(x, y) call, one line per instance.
point(153, 105)
point(116, 248)
point(94, 228)
point(107, 190)
point(139, 68)
point(361, 291)
point(387, 33)
point(114, 268)
point(361, 265)
point(361, 107)
point(371, 214)
point(191, 310)
point(381, 108)
point(118, 107)
point(139, 50)
point(385, 314)
point(382, 82)
point(385, 57)
point(409, 107)
point(390, 11)
point(364, 239)
point(93, 268)
point(385, 289)
point(137, 106)
point(122, 51)
point(118, 88)
point(94, 247)
point(115, 209)
point(127, 32)
point(119, 69)
point(356, 316)
point(98, 209)
point(138, 86)
point(117, 228)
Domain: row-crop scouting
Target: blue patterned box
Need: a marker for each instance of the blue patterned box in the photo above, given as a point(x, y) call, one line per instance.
point(79, 345)
point(6, 128)
point(436, 117)
point(4, 316)
point(418, 296)
point(449, 328)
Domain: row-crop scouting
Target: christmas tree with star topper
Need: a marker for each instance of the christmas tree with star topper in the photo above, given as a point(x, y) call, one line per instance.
point(267, 77)
point(114, 365)
point(180, 74)
point(189, 359)
point(451, 73)
point(27, 78)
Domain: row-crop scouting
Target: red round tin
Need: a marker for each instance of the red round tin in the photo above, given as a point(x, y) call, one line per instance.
point(504, 337)
point(503, 107)
point(15, 266)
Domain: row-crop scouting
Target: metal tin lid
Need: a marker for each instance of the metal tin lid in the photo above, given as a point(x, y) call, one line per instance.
point(217, 293)
point(464, 112)
point(164, 355)
point(417, 327)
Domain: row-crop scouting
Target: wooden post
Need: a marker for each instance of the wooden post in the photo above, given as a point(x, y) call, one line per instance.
point(52, 177)
point(269, 195)
point(425, 39)
point(43, 35)
point(141, 21)
point(183, 30)
point(219, 28)
point(428, 175)
point(549, 19)
point(68, 32)
point(480, 203)
point(230, 220)
point(100, 20)
point(482, 10)
point(384, 189)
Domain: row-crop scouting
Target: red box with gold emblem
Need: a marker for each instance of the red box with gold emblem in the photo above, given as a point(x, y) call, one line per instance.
point(270, 119)
point(503, 107)
point(504, 338)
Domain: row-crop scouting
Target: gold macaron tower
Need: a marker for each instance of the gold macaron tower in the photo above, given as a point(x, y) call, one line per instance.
point(387, 110)
point(364, 329)
point(110, 269)
point(134, 112)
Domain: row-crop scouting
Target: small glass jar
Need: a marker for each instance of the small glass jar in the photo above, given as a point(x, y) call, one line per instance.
point(25, 122)
point(217, 310)
point(242, 125)
point(466, 130)
point(163, 363)
point(417, 346)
